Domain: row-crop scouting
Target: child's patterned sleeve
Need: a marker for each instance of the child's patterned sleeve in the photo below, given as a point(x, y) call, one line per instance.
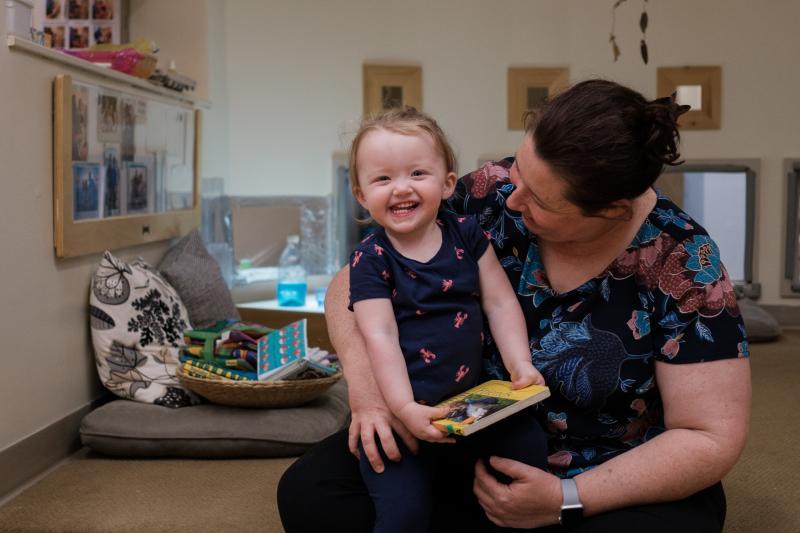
point(370, 276)
point(475, 238)
point(695, 316)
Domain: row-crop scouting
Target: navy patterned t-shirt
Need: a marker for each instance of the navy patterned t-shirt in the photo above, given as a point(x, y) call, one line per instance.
point(436, 304)
point(666, 298)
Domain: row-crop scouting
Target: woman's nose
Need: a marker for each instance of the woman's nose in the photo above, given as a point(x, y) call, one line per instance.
point(515, 201)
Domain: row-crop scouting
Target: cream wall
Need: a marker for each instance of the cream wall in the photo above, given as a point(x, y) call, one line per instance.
point(47, 365)
point(293, 80)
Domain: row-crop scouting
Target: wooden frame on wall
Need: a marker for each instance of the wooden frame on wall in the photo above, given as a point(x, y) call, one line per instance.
point(699, 87)
point(529, 86)
point(388, 86)
point(138, 172)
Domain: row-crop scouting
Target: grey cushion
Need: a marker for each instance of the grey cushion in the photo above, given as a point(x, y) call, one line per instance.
point(196, 276)
point(130, 429)
point(760, 325)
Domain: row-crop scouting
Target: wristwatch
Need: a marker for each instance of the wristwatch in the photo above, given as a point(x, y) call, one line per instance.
point(571, 506)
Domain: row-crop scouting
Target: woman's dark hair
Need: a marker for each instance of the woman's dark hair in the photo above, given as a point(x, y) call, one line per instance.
point(606, 141)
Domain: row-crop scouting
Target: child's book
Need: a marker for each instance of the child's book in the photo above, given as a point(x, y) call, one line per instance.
point(485, 404)
point(285, 347)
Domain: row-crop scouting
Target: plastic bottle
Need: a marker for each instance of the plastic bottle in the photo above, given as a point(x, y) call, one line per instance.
point(292, 284)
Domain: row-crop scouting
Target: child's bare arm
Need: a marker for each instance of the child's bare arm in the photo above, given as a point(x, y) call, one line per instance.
point(506, 321)
point(376, 321)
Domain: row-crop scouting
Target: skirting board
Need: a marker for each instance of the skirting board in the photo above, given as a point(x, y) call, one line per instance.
point(33, 455)
point(786, 315)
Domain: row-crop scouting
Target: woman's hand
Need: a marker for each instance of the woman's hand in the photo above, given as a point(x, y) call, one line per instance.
point(532, 499)
point(417, 418)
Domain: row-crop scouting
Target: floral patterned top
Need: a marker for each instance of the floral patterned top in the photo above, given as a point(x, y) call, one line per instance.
point(666, 298)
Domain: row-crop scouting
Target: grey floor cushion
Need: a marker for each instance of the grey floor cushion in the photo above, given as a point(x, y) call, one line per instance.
point(760, 325)
point(132, 429)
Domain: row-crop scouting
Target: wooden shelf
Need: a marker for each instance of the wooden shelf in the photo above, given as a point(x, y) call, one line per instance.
point(19, 43)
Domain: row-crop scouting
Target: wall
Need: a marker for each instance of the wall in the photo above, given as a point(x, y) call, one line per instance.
point(48, 369)
point(293, 71)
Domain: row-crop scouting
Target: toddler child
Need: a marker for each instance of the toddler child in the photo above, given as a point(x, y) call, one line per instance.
point(419, 287)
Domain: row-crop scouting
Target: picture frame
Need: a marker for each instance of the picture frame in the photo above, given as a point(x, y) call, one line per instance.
point(105, 197)
point(528, 87)
point(697, 86)
point(388, 86)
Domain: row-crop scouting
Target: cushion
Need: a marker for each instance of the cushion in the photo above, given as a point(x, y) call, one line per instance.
point(760, 325)
point(125, 428)
point(198, 279)
point(137, 322)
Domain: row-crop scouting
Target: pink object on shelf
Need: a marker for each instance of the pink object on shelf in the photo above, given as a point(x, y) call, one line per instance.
point(130, 61)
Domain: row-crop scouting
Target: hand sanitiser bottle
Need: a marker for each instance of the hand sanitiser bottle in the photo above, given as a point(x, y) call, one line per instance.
point(292, 284)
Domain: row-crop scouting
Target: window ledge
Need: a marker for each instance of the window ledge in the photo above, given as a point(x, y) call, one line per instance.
point(24, 45)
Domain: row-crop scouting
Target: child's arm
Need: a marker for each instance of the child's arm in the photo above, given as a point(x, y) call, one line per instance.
point(506, 321)
point(376, 322)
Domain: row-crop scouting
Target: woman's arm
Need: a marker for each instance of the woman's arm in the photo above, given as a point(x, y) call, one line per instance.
point(706, 411)
point(375, 319)
point(506, 321)
point(370, 415)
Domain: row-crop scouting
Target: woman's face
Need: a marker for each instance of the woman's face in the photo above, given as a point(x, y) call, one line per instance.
point(539, 197)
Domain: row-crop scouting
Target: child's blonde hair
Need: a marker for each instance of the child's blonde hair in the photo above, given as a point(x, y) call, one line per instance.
point(405, 121)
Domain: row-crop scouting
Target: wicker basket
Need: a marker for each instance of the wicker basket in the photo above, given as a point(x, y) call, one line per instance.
point(258, 393)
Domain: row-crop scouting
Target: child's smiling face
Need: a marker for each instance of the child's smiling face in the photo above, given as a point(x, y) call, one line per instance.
point(402, 180)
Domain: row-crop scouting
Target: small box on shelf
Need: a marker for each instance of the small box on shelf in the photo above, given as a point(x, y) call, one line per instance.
point(19, 17)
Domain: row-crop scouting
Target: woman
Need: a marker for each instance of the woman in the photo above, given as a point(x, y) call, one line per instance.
point(632, 321)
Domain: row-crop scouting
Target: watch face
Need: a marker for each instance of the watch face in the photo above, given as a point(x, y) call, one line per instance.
point(571, 516)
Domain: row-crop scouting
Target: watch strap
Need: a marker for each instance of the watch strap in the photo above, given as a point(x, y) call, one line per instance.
point(571, 506)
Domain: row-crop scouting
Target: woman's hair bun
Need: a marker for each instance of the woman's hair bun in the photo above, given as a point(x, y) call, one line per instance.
point(661, 123)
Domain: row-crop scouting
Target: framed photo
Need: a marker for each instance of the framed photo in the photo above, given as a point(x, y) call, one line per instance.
point(698, 87)
point(92, 190)
point(78, 24)
point(86, 190)
point(389, 86)
point(529, 87)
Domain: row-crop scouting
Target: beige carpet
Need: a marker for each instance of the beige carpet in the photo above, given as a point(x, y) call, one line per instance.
point(93, 494)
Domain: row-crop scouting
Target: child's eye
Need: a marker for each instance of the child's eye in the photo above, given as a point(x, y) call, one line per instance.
point(382, 178)
point(418, 173)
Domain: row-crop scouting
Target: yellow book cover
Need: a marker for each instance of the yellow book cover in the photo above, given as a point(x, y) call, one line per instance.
point(486, 404)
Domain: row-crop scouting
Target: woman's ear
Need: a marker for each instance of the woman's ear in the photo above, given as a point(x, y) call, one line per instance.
point(449, 185)
point(619, 210)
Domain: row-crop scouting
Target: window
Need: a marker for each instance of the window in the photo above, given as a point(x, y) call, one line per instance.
point(721, 198)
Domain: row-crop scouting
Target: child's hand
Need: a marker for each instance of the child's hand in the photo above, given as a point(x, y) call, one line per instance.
point(417, 418)
point(525, 374)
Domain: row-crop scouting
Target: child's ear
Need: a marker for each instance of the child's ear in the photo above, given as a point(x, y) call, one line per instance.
point(449, 185)
point(359, 196)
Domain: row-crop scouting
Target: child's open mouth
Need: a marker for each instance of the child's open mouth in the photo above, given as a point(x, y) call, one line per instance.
point(404, 209)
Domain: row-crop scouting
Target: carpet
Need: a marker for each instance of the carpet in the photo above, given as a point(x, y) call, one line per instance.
point(97, 494)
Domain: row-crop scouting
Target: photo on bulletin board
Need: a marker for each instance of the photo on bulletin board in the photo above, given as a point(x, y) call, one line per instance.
point(79, 9)
point(111, 189)
point(139, 188)
point(112, 198)
point(108, 127)
point(54, 9)
point(86, 192)
point(80, 123)
point(79, 37)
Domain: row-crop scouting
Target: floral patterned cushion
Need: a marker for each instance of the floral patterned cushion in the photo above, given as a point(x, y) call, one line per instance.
point(137, 322)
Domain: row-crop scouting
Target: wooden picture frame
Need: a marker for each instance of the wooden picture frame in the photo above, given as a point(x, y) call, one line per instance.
point(113, 185)
point(699, 87)
point(387, 86)
point(529, 86)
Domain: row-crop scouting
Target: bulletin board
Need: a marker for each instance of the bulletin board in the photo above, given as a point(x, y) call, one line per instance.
point(126, 167)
